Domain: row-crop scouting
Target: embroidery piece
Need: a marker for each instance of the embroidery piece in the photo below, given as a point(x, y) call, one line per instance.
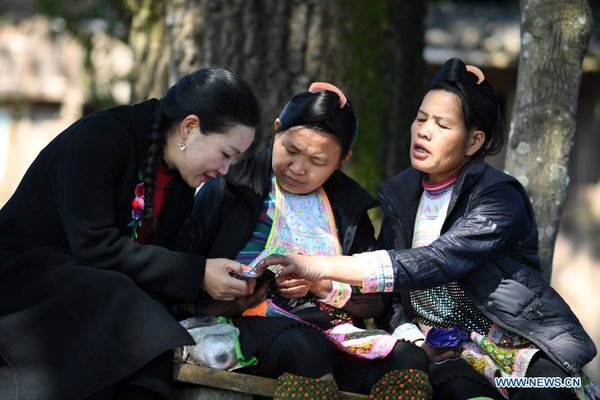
point(494, 356)
point(369, 344)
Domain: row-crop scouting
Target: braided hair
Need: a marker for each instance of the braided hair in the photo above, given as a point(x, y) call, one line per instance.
point(321, 111)
point(220, 99)
point(479, 104)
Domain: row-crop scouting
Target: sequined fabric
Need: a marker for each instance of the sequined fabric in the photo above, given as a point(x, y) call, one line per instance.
point(448, 306)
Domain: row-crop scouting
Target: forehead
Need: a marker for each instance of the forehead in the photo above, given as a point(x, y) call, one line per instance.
point(234, 134)
point(310, 140)
point(442, 103)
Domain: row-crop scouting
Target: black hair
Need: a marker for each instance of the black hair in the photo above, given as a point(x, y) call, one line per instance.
point(220, 98)
point(480, 106)
point(321, 111)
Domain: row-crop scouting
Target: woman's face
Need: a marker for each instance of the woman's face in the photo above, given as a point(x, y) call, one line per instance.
point(304, 158)
point(205, 156)
point(440, 143)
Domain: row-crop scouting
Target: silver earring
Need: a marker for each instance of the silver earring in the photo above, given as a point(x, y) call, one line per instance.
point(181, 146)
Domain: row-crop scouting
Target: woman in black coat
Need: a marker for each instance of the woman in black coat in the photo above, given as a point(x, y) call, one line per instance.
point(461, 243)
point(87, 276)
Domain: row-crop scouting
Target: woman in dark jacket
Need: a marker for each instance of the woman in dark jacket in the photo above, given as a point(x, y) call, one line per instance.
point(86, 272)
point(243, 213)
point(463, 255)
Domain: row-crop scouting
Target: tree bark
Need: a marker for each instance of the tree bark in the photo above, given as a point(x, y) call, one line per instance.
point(151, 49)
point(283, 46)
point(279, 46)
point(554, 38)
point(406, 81)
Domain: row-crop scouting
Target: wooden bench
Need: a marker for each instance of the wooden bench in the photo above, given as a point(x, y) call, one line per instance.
point(201, 383)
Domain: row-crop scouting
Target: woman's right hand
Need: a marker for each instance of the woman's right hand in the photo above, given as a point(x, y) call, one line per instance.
point(301, 266)
point(219, 283)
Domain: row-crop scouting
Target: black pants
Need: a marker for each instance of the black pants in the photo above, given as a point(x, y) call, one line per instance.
point(359, 375)
point(299, 351)
point(457, 380)
point(307, 352)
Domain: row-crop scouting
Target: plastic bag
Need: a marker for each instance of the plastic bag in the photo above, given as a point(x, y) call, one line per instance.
point(215, 343)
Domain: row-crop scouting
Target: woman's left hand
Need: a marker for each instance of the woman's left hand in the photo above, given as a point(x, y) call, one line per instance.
point(292, 287)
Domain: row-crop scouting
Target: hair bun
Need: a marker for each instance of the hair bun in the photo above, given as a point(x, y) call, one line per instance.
point(321, 86)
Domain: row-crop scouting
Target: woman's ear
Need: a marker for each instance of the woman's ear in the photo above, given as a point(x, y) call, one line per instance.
point(187, 125)
point(476, 140)
point(276, 123)
point(346, 157)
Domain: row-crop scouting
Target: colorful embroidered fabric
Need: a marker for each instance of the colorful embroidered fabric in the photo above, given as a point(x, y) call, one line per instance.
point(291, 386)
point(369, 344)
point(253, 248)
point(403, 384)
point(588, 390)
point(504, 354)
point(304, 224)
point(499, 354)
point(378, 272)
point(339, 294)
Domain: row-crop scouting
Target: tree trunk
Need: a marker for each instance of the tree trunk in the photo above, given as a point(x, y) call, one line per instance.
point(281, 47)
point(554, 38)
point(151, 49)
point(406, 81)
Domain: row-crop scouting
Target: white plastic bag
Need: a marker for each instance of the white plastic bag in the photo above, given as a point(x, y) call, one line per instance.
point(215, 342)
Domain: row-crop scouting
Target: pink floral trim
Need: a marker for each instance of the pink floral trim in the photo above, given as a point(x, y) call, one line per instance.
point(339, 295)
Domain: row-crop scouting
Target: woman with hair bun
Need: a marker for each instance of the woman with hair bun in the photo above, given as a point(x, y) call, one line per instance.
point(292, 197)
point(87, 270)
point(461, 254)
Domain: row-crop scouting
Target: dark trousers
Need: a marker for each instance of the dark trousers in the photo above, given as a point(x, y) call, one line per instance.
point(307, 352)
point(457, 380)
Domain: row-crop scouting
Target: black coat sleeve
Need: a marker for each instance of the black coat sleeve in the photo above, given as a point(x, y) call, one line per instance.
point(497, 219)
point(85, 176)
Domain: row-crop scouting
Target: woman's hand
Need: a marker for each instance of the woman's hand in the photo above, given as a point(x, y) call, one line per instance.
point(237, 305)
point(219, 283)
point(439, 354)
point(300, 266)
point(346, 269)
point(292, 287)
point(321, 289)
